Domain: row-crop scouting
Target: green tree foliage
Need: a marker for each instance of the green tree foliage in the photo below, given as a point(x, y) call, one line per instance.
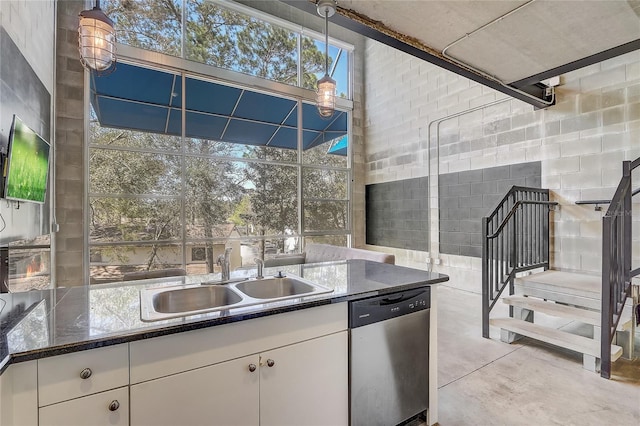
point(193, 186)
point(212, 189)
point(128, 217)
point(216, 36)
point(273, 198)
point(149, 24)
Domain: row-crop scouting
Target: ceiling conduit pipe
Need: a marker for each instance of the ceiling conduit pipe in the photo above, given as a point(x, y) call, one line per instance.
point(437, 122)
point(483, 73)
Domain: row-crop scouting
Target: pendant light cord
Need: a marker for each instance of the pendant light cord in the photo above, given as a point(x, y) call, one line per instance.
point(326, 41)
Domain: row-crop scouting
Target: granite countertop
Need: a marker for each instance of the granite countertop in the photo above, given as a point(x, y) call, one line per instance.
point(44, 323)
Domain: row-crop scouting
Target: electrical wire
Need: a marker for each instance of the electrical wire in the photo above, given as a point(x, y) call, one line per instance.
point(485, 74)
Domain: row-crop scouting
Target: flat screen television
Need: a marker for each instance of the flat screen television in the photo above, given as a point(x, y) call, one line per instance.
point(27, 164)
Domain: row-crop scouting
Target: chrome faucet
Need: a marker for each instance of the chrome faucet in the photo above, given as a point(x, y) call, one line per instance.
point(224, 263)
point(260, 265)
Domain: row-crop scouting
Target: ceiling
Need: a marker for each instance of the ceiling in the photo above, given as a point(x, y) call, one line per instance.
point(505, 44)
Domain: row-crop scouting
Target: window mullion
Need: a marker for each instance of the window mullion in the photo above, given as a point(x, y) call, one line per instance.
point(300, 72)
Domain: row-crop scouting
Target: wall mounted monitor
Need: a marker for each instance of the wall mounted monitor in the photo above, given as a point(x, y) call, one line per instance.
point(27, 166)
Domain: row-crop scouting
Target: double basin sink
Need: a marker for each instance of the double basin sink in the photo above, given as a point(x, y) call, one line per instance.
point(173, 302)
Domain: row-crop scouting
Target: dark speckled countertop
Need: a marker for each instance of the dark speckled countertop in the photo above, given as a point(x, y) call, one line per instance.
point(39, 324)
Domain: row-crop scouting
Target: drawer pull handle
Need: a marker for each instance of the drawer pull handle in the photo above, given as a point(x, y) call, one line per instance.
point(114, 405)
point(271, 363)
point(252, 367)
point(86, 373)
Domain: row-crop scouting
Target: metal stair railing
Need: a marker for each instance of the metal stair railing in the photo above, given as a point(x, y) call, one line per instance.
point(515, 238)
point(616, 262)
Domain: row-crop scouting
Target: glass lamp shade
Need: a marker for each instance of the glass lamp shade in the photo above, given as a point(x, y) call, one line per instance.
point(97, 38)
point(326, 100)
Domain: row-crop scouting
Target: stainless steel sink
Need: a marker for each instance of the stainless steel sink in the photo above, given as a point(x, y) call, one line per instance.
point(173, 302)
point(194, 299)
point(275, 288)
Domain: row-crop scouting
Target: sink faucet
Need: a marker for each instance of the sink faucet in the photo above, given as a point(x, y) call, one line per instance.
point(260, 265)
point(224, 262)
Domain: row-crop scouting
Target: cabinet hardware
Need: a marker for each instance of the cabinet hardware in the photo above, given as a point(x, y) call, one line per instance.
point(86, 373)
point(114, 405)
point(271, 363)
point(252, 367)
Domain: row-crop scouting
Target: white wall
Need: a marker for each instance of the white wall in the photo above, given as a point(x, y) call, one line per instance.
point(581, 142)
point(31, 24)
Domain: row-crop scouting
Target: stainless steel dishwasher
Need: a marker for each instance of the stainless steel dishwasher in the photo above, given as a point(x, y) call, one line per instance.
point(389, 358)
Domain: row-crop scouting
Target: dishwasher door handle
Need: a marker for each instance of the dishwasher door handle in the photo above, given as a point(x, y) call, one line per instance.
point(392, 300)
point(399, 298)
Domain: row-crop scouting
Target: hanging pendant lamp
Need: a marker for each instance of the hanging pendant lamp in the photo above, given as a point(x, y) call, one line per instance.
point(326, 94)
point(96, 39)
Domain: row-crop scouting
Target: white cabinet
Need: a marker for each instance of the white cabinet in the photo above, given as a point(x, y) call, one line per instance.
point(85, 388)
point(215, 376)
point(204, 377)
point(19, 395)
point(298, 384)
point(176, 353)
point(306, 384)
point(101, 409)
point(77, 374)
point(221, 394)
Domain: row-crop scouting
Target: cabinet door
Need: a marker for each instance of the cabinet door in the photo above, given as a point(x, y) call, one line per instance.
point(307, 383)
point(224, 394)
point(102, 409)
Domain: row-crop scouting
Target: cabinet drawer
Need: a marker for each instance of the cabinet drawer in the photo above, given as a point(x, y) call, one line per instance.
point(106, 408)
point(166, 355)
point(61, 377)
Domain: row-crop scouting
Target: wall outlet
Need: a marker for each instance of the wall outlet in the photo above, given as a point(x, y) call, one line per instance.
point(437, 261)
point(428, 260)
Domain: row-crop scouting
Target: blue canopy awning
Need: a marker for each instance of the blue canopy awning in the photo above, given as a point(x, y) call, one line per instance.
point(339, 147)
point(149, 100)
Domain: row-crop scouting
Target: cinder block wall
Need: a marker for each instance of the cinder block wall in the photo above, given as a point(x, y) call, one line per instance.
point(69, 129)
point(580, 142)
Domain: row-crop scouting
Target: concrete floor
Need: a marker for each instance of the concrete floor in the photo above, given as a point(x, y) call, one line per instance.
point(487, 382)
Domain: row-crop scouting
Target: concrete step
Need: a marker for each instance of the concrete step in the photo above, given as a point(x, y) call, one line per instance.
point(565, 287)
point(554, 309)
point(573, 342)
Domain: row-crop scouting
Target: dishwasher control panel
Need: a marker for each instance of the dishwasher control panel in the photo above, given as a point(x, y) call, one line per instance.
point(380, 308)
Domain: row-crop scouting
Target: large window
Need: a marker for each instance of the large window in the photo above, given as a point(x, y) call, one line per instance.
point(175, 180)
point(183, 165)
point(231, 36)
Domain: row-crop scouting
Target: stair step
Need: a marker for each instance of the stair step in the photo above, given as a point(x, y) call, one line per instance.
point(554, 309)
point(564, 287)
point(555, 337)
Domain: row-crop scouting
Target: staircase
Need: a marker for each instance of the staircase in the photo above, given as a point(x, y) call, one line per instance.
point(516, 241)
point(571, 296)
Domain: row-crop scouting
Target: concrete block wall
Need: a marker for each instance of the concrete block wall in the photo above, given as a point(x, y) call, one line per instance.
point(466, 197)
point(69, 130)
point(397, 214)
point(421, 120)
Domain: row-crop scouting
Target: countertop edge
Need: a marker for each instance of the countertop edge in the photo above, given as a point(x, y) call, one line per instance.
point(196, 325)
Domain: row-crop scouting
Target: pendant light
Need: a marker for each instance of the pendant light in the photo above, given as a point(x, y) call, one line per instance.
point(326, 95)
point(96, 39)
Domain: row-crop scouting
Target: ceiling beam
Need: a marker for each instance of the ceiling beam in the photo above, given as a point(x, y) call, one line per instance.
point(538, 99)
point(580, 63)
